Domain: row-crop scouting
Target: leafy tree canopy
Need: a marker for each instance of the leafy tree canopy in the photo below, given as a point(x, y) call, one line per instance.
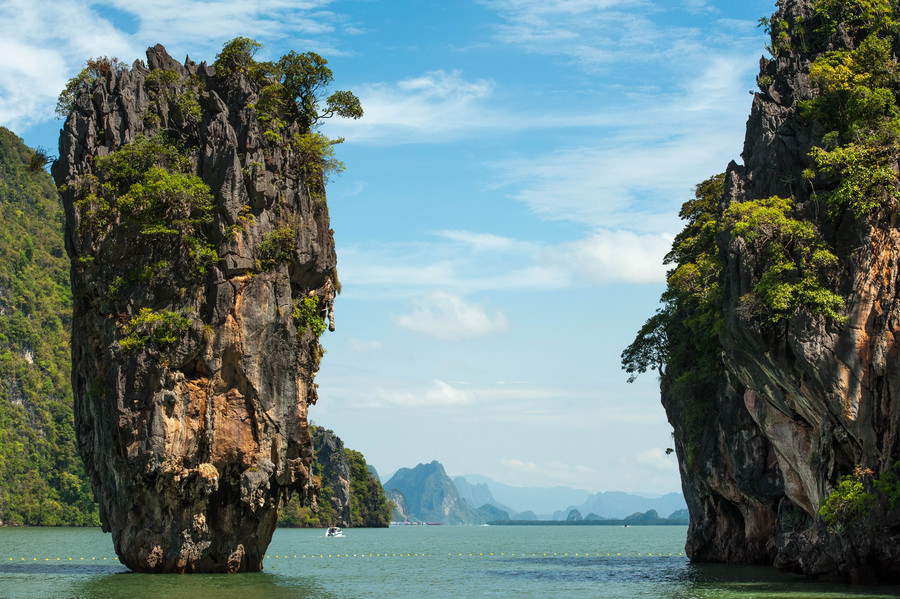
point(297, 82)
point(42, 480)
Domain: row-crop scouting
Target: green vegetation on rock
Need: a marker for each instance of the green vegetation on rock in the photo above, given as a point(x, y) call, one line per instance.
point(94, 69)
point(293, 92)
point(799, 263)
point(857, 106)
point(277, 247)
point(368, 504)
point(861, 500)
point(294, 86)
point(680, 341)
point(159, 329)
point(42, 480)
point(369, 508)
point(306, 315)
point(146, 184)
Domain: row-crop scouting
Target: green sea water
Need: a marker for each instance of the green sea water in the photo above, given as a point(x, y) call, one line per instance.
point(414, 561)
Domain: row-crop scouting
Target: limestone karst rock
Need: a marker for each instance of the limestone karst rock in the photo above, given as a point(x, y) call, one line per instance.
point(203, 268)
point(335, 474)
point(807, 400)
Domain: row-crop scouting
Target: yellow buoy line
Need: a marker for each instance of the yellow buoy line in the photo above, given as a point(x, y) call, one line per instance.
point(378, 555)
point(63, 559)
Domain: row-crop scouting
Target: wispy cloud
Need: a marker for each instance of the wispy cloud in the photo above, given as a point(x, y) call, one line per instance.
point(499, 401)
point(430, 108)
point(601, 34)
point(609, 256)
point(630, 186)
point(551, 472)
point(440, 395)
point(450, 317)
point(43, 44)
point(636, 175)
point(699, 6)
point(362, 346)
point(592, 33)
point(181, 21)
point(656, 458)
point(470, 263)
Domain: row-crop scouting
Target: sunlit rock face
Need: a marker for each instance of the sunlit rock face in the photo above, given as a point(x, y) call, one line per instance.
point(192, 371)
point(805, 402)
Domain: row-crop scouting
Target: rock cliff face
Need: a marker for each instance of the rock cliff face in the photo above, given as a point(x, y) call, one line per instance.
point(334, 472)
point(202, 270)
point(805, 401)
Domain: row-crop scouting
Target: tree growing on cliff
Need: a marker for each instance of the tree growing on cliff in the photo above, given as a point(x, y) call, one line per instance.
point(368, 504)
point(681, 340)
point(691, 302)
point(237, 56)
point(294, 89)
point(94, 69)
point(305, 78)
point(294, 86)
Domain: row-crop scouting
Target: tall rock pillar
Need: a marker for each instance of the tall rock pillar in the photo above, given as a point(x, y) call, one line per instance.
point(203, 268)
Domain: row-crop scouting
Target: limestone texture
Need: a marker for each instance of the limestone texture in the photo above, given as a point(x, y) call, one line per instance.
point(803, 403)
point(192, 419)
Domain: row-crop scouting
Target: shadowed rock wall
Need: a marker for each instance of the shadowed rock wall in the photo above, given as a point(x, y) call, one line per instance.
point(807, 400)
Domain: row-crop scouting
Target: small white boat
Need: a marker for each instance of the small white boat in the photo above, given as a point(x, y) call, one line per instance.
point(334, 531)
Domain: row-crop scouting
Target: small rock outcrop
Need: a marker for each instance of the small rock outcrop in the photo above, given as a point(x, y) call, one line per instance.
point(334, 472)
point(348, 493)
point(203, 271)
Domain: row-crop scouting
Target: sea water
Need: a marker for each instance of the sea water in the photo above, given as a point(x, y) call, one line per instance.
point(412, 561)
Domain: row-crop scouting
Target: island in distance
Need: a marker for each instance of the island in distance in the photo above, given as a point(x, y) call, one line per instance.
point(426, 493)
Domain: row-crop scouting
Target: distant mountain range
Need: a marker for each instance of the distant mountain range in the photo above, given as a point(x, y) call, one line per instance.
point(426, 494)
point(521, 499)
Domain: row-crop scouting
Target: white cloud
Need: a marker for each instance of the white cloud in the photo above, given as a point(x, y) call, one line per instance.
point(656, 459)
point(43, 44)
point(631, 185)
point(609, 256)
point(698, 6)
point(550, 473)
point(496, 402)
point(429, 108)
point(637, 175)
point(592, 32)
point(470, 262)
point(450, 317)
point(463, 261)
point(365, 347)
point(519, 465)
point(440, 395)
point(481, 242)
point(206, 24)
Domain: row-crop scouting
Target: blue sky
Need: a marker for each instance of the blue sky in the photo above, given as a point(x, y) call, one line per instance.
point(508, 198)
